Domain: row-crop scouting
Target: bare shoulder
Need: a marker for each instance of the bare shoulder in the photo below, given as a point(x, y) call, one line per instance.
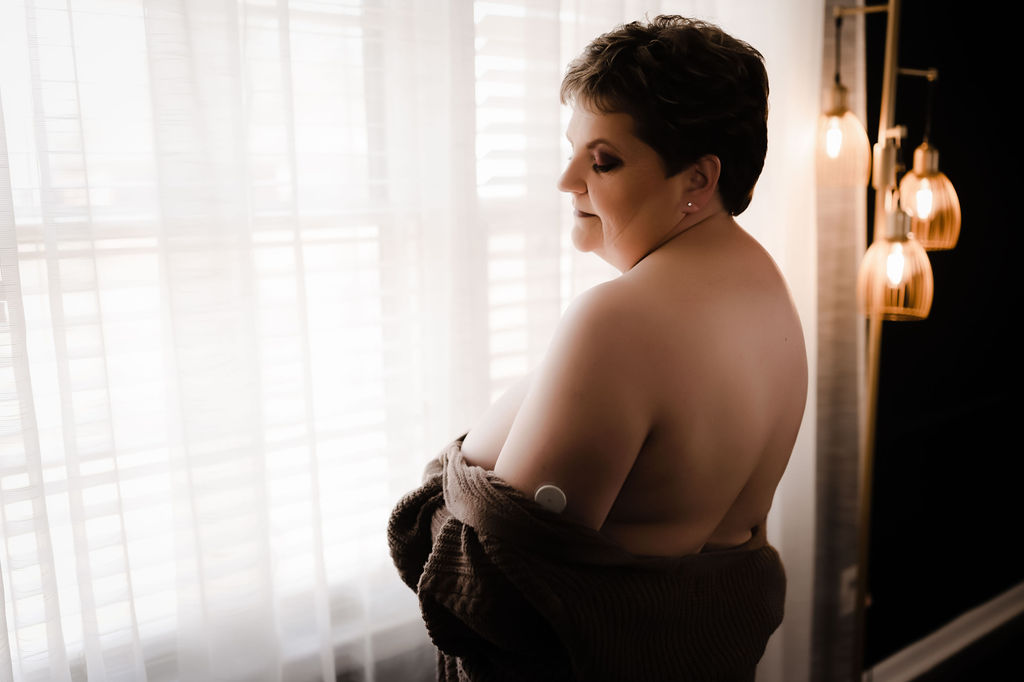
point(605, 332)
point(731, 292)
point(598, 304)
point(589, 340)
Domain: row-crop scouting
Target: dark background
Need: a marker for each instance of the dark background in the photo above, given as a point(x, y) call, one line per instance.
point(949, 480)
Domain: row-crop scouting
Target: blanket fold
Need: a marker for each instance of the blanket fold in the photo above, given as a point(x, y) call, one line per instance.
point(511, 591)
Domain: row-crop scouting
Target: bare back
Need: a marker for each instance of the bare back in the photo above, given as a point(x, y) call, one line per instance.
point(726, 376)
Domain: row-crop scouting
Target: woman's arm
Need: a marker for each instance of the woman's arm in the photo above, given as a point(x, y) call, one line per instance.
point(586, 413)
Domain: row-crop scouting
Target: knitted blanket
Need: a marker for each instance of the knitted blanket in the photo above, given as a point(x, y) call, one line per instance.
point(512, 591)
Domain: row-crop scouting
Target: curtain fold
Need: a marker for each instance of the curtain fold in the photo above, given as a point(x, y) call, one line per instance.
point(260, 259)
point(842, 239)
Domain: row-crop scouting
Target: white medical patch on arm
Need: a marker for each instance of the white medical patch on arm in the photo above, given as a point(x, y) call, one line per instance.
point(550, 497)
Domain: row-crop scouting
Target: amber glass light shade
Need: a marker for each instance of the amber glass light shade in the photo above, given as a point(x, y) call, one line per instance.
point(844, 153)
point(895, 279)
point(932, 202)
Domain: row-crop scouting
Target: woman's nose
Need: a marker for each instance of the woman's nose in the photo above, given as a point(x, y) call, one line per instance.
point(570, 180)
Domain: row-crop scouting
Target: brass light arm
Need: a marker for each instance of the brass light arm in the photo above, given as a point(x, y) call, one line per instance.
point(862, 9)
point(930, 74)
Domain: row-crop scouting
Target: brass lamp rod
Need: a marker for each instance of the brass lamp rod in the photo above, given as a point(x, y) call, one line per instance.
point(874, 341)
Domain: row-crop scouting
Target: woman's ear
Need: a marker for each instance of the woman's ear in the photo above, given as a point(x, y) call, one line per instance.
point(701, 183)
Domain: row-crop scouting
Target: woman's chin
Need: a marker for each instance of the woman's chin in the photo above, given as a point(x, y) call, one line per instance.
point(584, 239)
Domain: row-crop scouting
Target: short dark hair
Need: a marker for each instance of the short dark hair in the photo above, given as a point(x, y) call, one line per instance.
point(691, 88)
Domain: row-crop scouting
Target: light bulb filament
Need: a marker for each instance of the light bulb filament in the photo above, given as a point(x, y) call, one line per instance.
point(833, 138)
point(923, 199)
point(895, 264)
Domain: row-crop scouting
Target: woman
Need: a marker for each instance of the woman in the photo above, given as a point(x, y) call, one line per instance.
point(664, 414)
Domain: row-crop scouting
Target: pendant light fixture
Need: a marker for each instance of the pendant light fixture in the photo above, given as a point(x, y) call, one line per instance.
point(843, 148)
point(927, 193)
point(895, 279)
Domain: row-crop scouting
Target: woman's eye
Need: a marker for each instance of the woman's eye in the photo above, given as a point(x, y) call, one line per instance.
point(605, 164)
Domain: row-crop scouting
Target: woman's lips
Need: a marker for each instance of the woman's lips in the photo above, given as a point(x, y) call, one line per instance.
point(582, 214)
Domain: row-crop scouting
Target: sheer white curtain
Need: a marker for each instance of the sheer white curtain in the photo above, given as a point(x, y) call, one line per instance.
point(259, 260)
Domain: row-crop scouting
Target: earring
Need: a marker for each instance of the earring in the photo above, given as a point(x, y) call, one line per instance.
point(689, 204)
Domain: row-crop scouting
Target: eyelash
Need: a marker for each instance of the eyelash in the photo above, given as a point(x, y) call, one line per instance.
point(603, 167)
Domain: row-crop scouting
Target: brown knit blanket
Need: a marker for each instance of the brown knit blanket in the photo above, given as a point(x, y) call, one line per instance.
point(512, 591)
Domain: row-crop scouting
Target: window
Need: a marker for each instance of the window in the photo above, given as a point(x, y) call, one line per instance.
point(261, 260)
